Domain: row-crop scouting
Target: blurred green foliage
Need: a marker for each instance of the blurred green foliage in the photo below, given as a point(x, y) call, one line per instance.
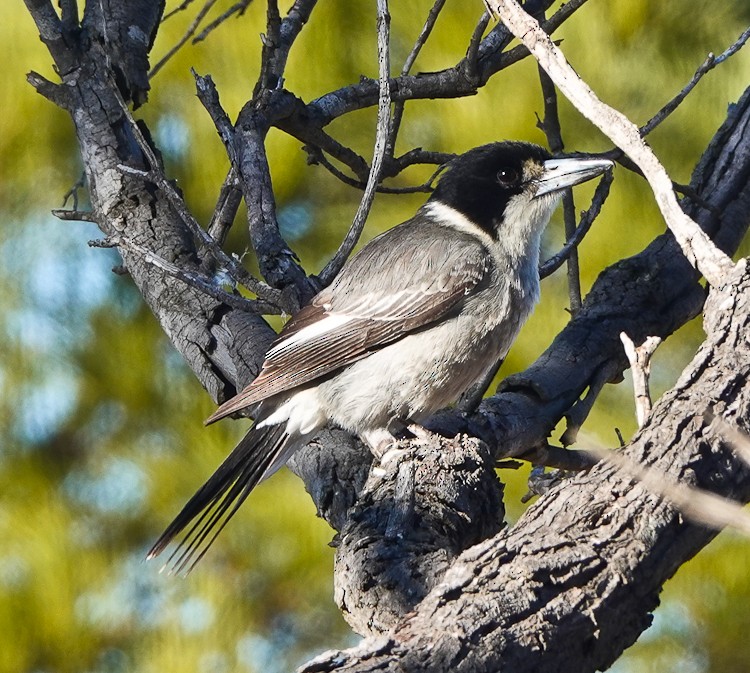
point(100, 421)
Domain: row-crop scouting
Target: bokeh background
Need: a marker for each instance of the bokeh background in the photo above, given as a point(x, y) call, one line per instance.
point(101, 436)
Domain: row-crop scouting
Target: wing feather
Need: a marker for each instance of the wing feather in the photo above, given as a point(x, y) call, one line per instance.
point(347, 321)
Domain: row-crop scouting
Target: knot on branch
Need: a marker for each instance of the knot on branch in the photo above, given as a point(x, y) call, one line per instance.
point(420, 508)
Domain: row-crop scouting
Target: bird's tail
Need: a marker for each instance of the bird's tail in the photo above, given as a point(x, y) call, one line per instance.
point(261, 452)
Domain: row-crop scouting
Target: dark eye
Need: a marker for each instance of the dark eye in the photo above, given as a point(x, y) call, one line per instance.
point(507, 177)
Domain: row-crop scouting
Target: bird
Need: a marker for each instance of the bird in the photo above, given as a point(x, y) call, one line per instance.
point(415, 318)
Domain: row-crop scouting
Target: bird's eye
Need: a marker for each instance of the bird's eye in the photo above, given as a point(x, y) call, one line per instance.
point(507, 177)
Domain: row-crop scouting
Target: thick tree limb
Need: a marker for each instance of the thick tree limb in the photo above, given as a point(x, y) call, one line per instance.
point(575, 579)
point(652, 293)
point(205, 331)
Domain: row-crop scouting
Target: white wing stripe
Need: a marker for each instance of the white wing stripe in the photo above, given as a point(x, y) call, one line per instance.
point(328, 324)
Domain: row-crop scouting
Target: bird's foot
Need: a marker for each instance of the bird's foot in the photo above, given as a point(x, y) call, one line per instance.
point(421, 434)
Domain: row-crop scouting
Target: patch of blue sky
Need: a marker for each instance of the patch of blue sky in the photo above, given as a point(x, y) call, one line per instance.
point(196, 614)
point(257, 653)
point(43, 406)
point(295, 220)
point(131, 595)
point(172, 136)
point(50, 261)
point(53, 281)
point(115, 486)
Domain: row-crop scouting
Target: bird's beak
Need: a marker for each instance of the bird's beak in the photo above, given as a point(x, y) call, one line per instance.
point(561, 173)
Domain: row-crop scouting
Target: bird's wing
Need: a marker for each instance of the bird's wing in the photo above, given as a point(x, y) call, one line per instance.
point(348, 320)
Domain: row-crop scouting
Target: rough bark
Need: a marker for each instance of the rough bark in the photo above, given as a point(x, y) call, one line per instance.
point(652, 293)
point(541, 596)
point(573, 583)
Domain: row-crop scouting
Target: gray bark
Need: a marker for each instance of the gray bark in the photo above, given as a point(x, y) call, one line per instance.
point(572, 584)
point(421, 555)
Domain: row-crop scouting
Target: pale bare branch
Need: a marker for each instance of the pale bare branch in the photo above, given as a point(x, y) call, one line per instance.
point(694, 242)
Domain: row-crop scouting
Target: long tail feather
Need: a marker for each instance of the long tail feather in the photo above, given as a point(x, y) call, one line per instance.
point(208, 511)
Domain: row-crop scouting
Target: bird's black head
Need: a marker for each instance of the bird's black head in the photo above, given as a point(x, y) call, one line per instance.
point(480, 183)
point(510, 188)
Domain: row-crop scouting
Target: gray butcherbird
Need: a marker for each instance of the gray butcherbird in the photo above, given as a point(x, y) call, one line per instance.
point(415, 318)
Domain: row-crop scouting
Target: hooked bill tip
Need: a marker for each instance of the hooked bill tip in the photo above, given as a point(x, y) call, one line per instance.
point(567, 172)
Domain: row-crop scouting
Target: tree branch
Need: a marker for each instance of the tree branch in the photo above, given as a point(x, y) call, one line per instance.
point(381, 144)
point(576, 578)
point(695, 244)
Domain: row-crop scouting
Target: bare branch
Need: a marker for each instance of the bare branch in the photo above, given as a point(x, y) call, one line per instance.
point(50, 29)
point(587, 219)
point(551, 127)
point(449, 83)
point(51, 91)
point(74, 215)
point(472, 53)
point(381, 140)
point(398, 108)
point(69, 15)
point(580, 411)
point(195, 280)
point(279, 40)
point(709, 64)
point(180, 8)
point(640, 364)
point(696, 245)
point(238, 272)
point(72, 193)
point(156, 175)
point(209, 97)
point(228, 203)
point(188, 34)
point(238, 8)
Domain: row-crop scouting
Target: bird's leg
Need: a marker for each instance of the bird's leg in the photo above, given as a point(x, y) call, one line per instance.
point(421, 433)
point(383, 442)
point(379, 441)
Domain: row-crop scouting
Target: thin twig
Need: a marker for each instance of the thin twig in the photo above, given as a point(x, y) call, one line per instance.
point(709, 64)
point(471, 60)
point(188, 34)
point(318, 157)
point(381, 138)
point(74, 215)
point(73, 191)
point(712, 263)
point(640, 365)
point(578, 413)
point(551, 127)
point(587, 219)
point(398, 108)
point(180, 8)
point(238, 8)
point(198, 281)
